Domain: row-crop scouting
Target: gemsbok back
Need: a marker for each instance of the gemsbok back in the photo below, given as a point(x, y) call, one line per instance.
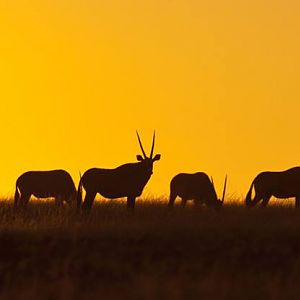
point(45, 184)
point(127, 180)
point(285, 184)
point(197, 187)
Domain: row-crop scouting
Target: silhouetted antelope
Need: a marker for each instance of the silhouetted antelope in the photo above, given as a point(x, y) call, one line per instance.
point(285, 184)
point(197, 187)
point(127, 180)
point(44, 184)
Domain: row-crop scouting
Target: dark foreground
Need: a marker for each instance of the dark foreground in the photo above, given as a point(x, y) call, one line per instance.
point(235, 253)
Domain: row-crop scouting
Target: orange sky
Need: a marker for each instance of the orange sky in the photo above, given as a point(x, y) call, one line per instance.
point(218, 80)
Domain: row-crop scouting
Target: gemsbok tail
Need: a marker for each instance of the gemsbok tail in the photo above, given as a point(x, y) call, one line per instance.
point(79, 193)
point(17, 196)
point(248, 199)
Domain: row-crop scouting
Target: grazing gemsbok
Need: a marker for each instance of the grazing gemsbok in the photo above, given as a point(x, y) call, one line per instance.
point(285, 184)
point(197, 187)
point(127, 180)
point(44, 184)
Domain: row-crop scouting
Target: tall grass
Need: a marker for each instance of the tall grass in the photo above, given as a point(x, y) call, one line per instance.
point(153, 253)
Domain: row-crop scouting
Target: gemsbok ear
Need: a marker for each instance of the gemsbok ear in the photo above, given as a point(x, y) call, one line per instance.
point(156, 157)
point(139, 158)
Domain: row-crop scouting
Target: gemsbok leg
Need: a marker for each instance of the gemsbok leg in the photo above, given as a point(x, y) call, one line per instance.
point(17, 199)
point(24, 199)
point(130, 202)
point(183, 202)
point(172, 199)
point(256, 200)
point(88, 200)
point(265, 201)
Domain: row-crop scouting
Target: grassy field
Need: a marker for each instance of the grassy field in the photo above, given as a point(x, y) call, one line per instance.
point(153, 253)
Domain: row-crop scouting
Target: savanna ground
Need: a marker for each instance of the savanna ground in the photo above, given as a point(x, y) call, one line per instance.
point(153, 253)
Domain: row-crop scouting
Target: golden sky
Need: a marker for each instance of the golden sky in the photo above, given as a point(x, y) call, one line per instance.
point(218, 80)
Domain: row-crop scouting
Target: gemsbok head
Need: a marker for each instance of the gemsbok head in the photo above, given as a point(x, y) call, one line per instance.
point(127, 180)
point(285, 184)
point(197, 187)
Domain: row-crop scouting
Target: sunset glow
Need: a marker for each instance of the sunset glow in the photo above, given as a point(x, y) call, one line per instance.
point(217, 80)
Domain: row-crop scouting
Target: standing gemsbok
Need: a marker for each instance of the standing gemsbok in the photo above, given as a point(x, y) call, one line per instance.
point(44, 184)
point(127, 180)
point(285, 184)
point(197, 187)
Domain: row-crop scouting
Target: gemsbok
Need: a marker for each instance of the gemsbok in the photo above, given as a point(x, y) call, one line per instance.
point(127, 180)
point(285, 184)
point(56, 184)
point(197, 187)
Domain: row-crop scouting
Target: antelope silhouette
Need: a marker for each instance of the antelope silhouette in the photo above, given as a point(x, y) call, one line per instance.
point(44, 184)
point(284, 184)
point(127, 180)
point(197, 187)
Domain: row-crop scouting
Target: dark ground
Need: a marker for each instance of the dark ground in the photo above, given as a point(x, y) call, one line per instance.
point(154, 253)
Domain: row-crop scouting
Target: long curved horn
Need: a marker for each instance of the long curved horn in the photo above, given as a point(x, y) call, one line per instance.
point(153, 143)
point(145, 156)
point(224, 190)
